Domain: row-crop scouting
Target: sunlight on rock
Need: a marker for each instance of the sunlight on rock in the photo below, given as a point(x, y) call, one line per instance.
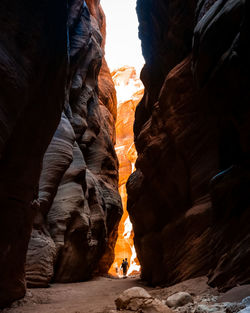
point(129, 90)
point(128, 228)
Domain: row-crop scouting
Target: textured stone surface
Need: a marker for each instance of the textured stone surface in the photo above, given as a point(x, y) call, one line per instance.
point(179, 299)
point(41, 258)
point(33, 57)
point(75, 207)
point(138, 300)
point(129, 93)
point(80, 206)
point(42, 251)
point(188, 199)
point(133, 293)
point(154, 306)
point(236, 294)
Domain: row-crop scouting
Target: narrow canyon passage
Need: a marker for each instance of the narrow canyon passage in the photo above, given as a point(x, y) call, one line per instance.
point(124, 57)
point(129, 91)
point(97, 166)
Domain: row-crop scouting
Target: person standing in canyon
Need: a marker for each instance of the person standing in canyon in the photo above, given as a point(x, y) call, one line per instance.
point(124, 267)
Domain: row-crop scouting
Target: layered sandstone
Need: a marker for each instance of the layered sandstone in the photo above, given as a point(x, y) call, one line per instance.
point(129, 93)
point(188, 198)
point(54, 82)
point(80, 205)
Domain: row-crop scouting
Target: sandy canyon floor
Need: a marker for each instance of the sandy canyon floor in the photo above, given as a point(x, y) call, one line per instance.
point(87, 297)
point(98, 295)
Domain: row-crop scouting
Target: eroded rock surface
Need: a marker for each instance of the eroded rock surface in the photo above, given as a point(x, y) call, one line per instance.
point(50, 57)
point(80, 206)
point(33, 64)
point(179, 299)
point(129, 90)
point(188, 199)
point(138, 300)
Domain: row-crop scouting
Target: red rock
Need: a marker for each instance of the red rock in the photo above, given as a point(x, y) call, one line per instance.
point(33, 57)
point(80, 175)
point(129, 92)
point(78, 208)
point(190, 126)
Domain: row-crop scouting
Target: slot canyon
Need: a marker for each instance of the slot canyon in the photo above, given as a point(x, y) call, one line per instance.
point(100, 164)
point(129, 91)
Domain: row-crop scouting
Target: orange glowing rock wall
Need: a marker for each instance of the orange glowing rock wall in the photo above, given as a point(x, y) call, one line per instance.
point(129, 93)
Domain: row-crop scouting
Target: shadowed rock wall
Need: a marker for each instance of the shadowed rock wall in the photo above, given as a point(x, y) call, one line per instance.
point(189, 197)
point(50, 57)
point(80, 206)
point(33, 58)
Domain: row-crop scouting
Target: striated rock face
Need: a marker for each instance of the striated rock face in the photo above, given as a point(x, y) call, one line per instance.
point(80, 206)
point(129, 93)
point(50, 58)
point(188, 199)
point(33, 59)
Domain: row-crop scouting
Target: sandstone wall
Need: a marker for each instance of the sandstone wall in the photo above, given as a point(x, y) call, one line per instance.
point(50, 57)
point(33, 59)
point(129, 93)
point(188, 199)
point(80, 206)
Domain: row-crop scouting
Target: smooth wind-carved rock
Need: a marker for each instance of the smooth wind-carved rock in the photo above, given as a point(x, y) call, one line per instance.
point(188, 199)
point(129, 93)
point(56, 124)
point(78, 195)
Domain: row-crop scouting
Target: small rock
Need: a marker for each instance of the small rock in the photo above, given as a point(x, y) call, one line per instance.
point(126, 296)
point(209, 309)
point(154, 306)
point(179, 299)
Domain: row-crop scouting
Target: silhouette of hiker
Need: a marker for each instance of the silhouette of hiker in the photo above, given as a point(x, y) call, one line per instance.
point(124, 267)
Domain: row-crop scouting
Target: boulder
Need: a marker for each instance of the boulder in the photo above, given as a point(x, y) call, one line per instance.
point(179, 299)
point(123, 301)
point(137, 299)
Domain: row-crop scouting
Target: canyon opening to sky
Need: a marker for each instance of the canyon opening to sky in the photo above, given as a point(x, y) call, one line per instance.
point(62, 132)
point(125, 60)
